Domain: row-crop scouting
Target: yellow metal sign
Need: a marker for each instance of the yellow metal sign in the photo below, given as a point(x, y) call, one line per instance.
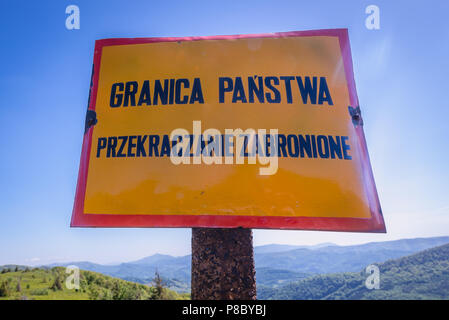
point(260, 131)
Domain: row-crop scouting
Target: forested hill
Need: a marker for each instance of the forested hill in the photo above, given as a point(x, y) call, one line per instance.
point(424, 275)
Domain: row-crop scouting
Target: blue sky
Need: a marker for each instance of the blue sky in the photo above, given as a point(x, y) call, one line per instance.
point(401, 73)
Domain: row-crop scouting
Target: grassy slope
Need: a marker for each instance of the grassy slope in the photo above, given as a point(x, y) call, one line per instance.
point(37, 283)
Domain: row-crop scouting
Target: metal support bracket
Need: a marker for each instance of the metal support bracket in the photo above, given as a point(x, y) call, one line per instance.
point(91, 115)
point(356, 115)
point(91, 120)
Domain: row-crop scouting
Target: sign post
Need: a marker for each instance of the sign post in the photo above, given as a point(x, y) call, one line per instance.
point(223, 264)
point(225, 134)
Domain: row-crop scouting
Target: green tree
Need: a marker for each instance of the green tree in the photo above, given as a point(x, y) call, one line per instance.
point(57, 285)
point(158, 285)
point(18, 287)
point(4, 289)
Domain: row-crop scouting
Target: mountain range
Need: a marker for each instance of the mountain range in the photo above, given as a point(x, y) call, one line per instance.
point(276, 265)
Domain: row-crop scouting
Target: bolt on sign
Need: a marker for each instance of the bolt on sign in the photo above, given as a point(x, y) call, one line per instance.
point(254, 131)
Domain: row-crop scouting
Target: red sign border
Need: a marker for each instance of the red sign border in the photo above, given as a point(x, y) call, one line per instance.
point(374, 224)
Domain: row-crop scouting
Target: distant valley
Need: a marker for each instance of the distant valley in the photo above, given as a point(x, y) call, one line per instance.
point(423, 275)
